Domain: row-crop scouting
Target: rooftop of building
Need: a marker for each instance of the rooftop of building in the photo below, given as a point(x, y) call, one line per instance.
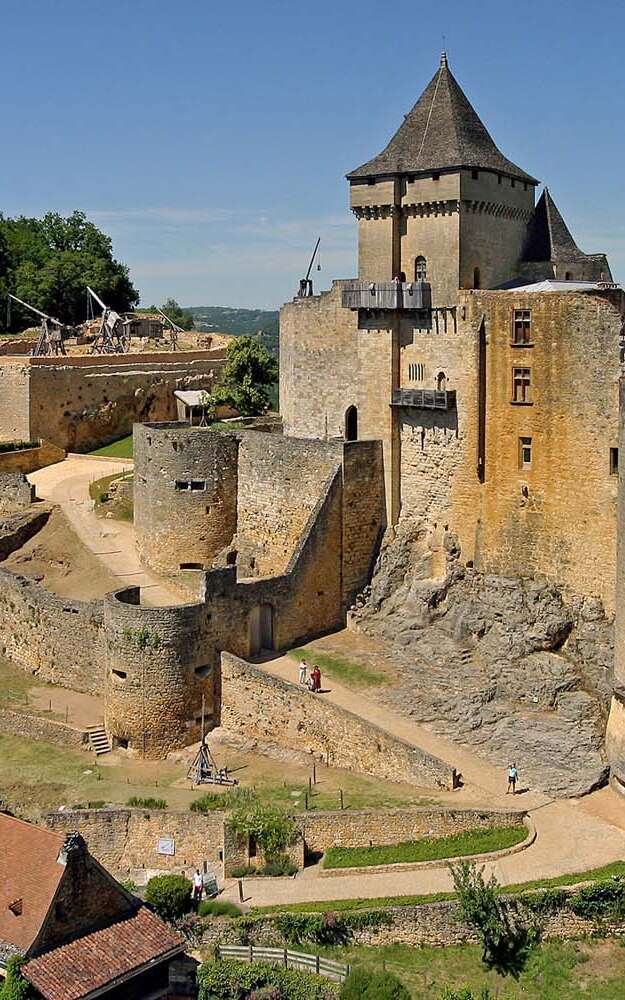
point(441, 132)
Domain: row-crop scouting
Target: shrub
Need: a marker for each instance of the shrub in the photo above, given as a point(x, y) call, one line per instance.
point(603, 900)
point(281, 865)
point(365, 984)
point(129, 885)
point(146, 803)
point(226, 980)
point(15, 986)
point(218, 908)
point(543, 904)
point(242, 871)
point(464, 993)
point(222, 800)
point(271, 826)
point(169, 895)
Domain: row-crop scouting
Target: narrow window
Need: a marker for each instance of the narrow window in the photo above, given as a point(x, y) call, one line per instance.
point(476, 277)
point(415, 372)
point(499, 178)
point(202, 671)
point(420, 269)
point(198, 485)
point(351, 424)
point(522, 326)
point(614, 461)
point(436, 177)
point(474, 175)
point(120, 673)
point(182, 484)
point(441, 381)
point(521, 385)
point(525, 453)
point(512, 182)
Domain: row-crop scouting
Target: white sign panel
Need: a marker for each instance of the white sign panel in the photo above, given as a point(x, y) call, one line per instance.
point(166, 845)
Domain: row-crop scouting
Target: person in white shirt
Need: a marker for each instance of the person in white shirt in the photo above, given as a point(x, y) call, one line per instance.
point(198, 886)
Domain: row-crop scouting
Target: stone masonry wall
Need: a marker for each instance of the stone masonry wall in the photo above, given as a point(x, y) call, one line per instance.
point(364, 513)
point(30, 459)
point(15, 402)
point(35, 727)
point(15, 491)
point(267, 708)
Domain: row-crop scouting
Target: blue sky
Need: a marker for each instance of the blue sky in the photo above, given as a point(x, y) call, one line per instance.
point(211, 140)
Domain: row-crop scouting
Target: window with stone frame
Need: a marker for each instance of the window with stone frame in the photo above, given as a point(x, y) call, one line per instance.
point(416, 371)
point(420, 269)
point(525, 453)
point(522, 326)
point(521, 382)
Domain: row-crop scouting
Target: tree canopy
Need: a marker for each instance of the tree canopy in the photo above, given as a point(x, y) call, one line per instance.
point(181, 317)
point(249, 372)
point(49, 262)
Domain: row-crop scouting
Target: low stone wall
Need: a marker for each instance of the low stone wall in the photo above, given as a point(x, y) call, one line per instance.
point(267, 708)
point(365, 828)
point(37, 727)
point(30, 459)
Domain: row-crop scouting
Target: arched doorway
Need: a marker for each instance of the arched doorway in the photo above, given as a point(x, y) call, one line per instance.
point(351, 424)
point(420, 269)
point(261, 629)
point(441, 381)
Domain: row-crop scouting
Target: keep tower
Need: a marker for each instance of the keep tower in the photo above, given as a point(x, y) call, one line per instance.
point(441, 202)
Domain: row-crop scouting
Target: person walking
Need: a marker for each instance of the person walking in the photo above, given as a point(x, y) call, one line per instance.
point(198, 887)
point(513, 777)
point(303, 669)
point(316, 675)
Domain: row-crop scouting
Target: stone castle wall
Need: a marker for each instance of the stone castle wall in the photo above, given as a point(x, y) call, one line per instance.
point(615, 734)
point(78, 403)
point(266, 708)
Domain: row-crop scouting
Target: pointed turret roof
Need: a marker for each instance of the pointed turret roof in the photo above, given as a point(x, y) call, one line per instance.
point(548, 235)
point(442, 132)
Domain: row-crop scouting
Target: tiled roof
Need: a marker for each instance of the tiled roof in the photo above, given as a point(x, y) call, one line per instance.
point(441, 132)
point(548, 235)
point(75, 970)
point(29, 877)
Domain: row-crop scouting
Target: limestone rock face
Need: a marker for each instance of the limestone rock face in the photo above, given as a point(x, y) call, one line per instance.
point(508, 666)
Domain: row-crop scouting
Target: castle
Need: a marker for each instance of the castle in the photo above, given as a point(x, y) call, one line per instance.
point(465, 382)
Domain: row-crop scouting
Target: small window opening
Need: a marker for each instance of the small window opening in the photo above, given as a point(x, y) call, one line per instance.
point(499, 182)
point(474, 174)
point(119, 673)
point(420, 269)
point(476, 277)
point(522, 326)
point(192, 565)
point(120, 741)
point(252, 846)
point(416, 372)
point(231, 558)
point(436, 176)
point(513, 183)
point(521, 378)
point(441, 381)
point(182, 484)
point(371, 181)
point(198, 485)
point(525, 453)
point(614, 461)
point(351, 424)
point(202, 671)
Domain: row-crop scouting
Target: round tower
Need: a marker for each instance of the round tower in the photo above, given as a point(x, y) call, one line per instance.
point(185, 494)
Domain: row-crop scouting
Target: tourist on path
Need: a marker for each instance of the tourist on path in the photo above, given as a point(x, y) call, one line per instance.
point(513, 777)
point(316, 676)
point(198, 886)
point(303, 668)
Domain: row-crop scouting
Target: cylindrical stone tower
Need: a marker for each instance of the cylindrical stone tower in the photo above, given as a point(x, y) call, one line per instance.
point(185, 494)
point(615, 735)
point(158, 666)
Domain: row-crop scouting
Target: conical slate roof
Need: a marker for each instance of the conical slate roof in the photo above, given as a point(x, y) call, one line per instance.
point(442, 132)
point(548, 235)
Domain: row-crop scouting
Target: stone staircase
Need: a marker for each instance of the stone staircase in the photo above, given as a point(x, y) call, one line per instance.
point(99, 740)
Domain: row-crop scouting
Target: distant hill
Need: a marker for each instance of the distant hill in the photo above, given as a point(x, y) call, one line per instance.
point(238, 322)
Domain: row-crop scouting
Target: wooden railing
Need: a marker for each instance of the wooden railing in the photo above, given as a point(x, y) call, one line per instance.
point(425, 399)
point(386, 295)
point(299, 960)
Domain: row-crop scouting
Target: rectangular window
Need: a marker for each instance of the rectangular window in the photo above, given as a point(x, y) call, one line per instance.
point(436, 177)
point(521, 385)
point(416, 371)
point(198, 485)
point(522, 326)
point(474, 175)
point(614, 461)
point(525, 453)
point(182, 484)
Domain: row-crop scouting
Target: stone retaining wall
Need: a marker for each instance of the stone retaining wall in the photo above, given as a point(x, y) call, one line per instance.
point(37, 727)
point(30, 459)
point(267, 708)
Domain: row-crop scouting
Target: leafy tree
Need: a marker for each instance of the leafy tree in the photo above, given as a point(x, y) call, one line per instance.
point(365, 984)
point(272, 828)
point(15, 986)
point(506, 940)
point(170, 895)
point(181, 317)
point(249, 372)
point(464, 993)
point(49, 262)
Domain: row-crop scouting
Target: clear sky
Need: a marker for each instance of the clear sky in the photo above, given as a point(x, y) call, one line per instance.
point(211, 139)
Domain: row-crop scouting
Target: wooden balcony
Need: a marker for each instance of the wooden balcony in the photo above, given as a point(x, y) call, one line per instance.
point(386, 295)
point(425, 399)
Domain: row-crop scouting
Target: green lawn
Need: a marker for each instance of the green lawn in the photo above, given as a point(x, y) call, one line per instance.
point(571, 970)
point(121, 509)
point(458, 845)
point(117, 449)
point(377, 902)
point(345, 671)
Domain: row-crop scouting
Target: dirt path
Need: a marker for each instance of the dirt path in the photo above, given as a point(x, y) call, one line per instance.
point(113, 542)
point(572, 835)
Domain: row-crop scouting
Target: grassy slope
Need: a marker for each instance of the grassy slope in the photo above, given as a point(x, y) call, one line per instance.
point(428, 849)
point(117, 449)
point(348, 672)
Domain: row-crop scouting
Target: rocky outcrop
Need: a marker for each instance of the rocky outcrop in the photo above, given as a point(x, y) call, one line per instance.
point(508, 666)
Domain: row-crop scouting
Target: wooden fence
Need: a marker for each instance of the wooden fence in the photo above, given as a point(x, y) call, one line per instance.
point(336, 971)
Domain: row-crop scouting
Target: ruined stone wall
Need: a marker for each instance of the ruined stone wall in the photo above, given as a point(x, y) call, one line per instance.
point(15, 401)
point(279, 484)
point(185, 494)
point(15, 491)
point(79, 403)
point(36, 727)
point(266, 708)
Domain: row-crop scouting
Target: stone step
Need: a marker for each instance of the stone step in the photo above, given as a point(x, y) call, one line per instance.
point(99, 740)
